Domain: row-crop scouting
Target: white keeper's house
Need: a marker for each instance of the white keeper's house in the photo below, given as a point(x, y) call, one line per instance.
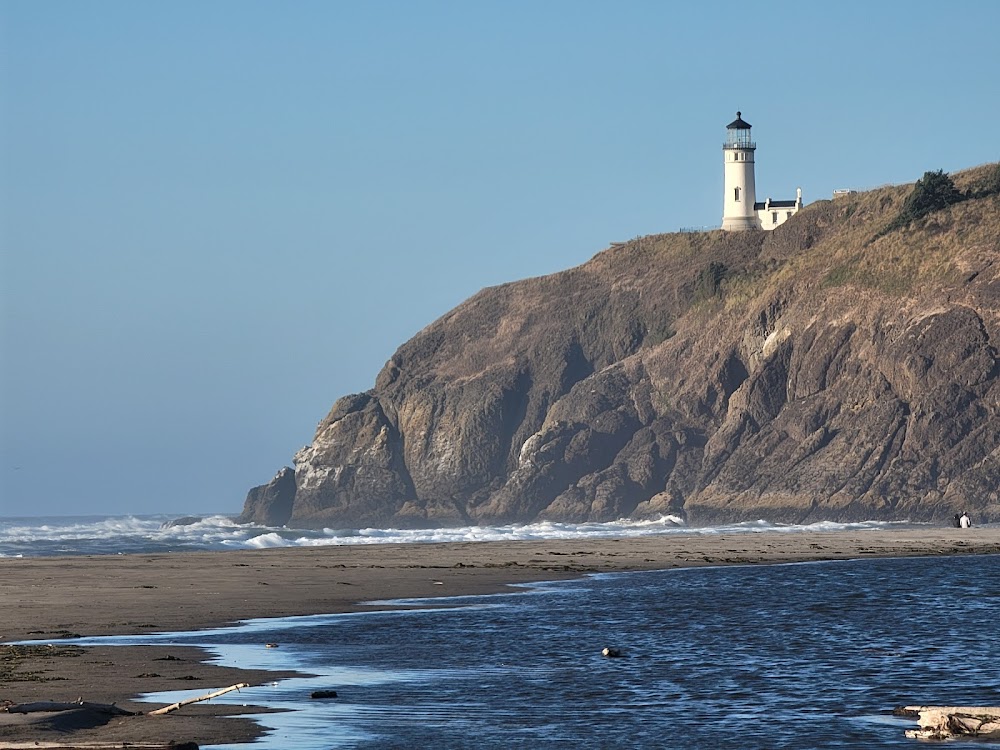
point(741, 209)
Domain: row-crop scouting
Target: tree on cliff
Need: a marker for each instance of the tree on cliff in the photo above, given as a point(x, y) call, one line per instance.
point(932, 192)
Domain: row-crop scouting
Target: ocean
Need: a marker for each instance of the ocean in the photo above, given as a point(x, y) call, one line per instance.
point(111, 535)
point(802, 656)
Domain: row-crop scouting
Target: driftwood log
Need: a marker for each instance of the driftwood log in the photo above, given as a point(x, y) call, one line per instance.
point(207, 696)
point(947, 722)
point(102, 708)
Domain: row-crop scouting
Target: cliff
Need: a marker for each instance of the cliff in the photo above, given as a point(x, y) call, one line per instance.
point(842, 367)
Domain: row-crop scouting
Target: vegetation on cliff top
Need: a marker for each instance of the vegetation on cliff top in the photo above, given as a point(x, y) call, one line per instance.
point(936, 191)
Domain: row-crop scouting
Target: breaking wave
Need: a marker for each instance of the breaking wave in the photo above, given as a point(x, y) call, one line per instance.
point(109, 535)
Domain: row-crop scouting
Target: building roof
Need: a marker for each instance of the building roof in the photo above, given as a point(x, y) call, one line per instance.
point(739, 123)
point(775, 204)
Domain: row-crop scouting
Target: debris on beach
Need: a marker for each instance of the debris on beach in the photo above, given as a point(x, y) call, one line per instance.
point(207, 696)
point(66, 717)
point(14, 659)
point(948, 722)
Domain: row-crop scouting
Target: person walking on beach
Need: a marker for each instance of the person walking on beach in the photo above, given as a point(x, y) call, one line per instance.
point(964, 521)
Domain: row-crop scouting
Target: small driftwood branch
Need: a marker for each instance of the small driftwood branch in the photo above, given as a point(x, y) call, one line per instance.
point(216, 694)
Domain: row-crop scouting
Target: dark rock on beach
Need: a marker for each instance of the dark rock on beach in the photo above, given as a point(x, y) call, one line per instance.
point(842, 367)
point(271, 504)
point(182, 521)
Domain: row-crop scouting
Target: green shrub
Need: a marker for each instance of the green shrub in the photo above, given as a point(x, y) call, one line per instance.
point(932, 192)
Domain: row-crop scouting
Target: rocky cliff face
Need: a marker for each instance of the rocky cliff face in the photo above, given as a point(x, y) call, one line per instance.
point(819, 371)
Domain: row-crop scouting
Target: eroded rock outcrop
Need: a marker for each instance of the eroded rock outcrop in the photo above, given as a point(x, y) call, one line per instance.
point(819, 371)
point(271, 503)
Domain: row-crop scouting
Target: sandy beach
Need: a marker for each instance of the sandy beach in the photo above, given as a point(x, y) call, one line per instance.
point(46, 599)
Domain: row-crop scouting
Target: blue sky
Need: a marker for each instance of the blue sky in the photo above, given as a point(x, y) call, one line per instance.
point(218, 217)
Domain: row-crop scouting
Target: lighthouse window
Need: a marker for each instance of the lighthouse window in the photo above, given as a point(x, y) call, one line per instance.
point(737, 190)
point(774, 217)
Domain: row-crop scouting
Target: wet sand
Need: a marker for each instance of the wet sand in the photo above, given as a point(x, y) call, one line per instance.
point(46, 599)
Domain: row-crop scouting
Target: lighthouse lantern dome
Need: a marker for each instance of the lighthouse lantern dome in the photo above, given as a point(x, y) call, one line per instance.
point(738, 133)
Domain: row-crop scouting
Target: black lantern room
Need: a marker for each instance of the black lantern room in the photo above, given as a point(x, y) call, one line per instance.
point(738, 134)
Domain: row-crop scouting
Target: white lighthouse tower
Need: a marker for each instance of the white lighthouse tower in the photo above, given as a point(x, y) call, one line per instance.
point(741, 194)
point(740, 207)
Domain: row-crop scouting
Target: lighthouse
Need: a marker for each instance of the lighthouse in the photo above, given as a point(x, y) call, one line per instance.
point(741, 192)
point(740, 208)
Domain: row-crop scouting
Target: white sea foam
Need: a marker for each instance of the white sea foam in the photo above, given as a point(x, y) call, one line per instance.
point(266, 541)
point(118, 534)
